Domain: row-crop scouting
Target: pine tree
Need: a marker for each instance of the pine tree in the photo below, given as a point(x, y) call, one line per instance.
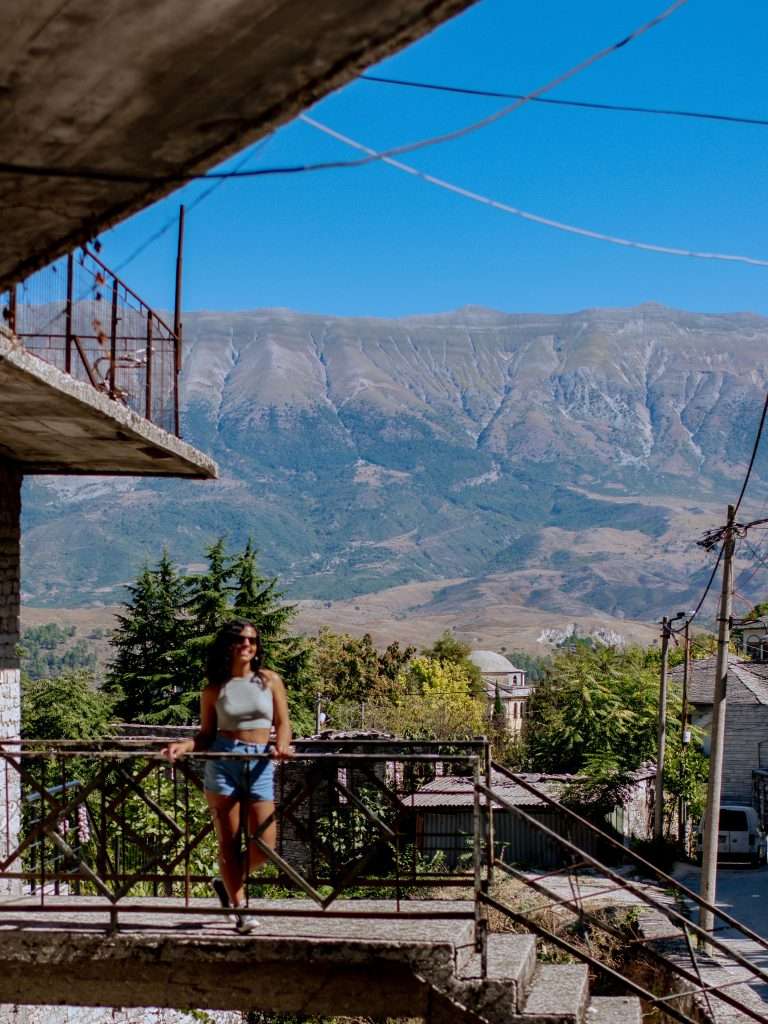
point(152, 626)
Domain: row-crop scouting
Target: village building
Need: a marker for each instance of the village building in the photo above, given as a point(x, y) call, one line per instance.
point(445, 806)
point(745, 746)
point(753, 640)
point(500, 675)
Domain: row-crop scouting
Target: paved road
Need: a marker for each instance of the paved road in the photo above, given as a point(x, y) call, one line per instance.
point(743, 893)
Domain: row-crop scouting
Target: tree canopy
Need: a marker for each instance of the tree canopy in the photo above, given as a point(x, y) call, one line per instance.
point(160, 644)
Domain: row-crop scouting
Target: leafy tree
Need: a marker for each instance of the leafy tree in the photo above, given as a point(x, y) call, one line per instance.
point(685, 774)
point(449, 650)
point(350, 668)
point(431, 699)
point(65, 707)
point(595, 712)
point(346, 672)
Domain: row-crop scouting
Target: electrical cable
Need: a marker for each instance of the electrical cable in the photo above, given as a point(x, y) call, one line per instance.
point(756, 445)
point(572, 229)
point(92, 174)
point(173, 221)
point(585, 104)
point(703, 597)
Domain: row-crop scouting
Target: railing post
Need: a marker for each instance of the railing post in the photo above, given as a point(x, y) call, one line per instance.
point(490, 839)
point(148, 406)
point(481, 944)
point(12, 308)
point(177, 325)
point(113, 340)
point(68, 314)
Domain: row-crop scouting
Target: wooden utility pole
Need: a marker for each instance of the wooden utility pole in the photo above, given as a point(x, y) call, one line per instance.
point(685, 735)
point(661, 738)
point(717, 731)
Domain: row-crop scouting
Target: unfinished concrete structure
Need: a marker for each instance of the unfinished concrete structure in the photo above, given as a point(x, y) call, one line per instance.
point(51, 423)
point(423, 968)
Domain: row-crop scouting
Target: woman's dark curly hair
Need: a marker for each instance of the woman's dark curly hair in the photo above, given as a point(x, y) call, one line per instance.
point(219, 657)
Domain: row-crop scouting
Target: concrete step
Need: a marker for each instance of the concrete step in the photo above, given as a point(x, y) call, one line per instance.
point(558, 994)
point(614, 1010)
point(511, 965)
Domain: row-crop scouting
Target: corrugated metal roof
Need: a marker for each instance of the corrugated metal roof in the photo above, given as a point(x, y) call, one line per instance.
point(458, 791)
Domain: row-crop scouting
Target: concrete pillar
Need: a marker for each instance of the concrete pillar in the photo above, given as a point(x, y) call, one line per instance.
point(10, 696)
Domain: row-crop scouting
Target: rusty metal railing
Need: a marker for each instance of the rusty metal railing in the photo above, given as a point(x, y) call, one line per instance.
point(78, 315)
point(577, 861)
point(95, 824)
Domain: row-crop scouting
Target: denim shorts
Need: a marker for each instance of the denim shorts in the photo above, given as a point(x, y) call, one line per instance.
point(253, 779)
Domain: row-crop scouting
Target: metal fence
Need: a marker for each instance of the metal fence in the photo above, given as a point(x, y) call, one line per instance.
point(81, 317)
point(115, 820)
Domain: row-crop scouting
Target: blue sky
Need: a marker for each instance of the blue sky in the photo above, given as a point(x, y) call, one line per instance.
point(373, 241)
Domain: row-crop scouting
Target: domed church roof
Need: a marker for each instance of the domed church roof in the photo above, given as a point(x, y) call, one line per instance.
point(491, 663)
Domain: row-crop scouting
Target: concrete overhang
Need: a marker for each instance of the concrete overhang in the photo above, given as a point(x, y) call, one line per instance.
point(158, 88)
point(51, 423)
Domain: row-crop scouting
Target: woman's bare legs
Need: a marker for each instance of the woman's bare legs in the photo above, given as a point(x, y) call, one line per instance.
point(259, 811)
point(225, 811)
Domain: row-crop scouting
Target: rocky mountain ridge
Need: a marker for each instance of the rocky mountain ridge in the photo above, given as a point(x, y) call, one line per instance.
point(572, 458)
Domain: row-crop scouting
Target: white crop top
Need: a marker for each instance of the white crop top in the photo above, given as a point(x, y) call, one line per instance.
point(244, 703)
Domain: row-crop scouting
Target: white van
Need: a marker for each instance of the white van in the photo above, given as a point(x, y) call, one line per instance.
point(739, 838)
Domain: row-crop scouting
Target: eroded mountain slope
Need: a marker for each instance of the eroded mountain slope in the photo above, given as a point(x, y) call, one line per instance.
point(573, 458)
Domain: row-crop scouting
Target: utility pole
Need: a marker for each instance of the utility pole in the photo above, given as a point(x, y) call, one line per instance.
point(661, 735)
point(717, 732)
point(685, 734)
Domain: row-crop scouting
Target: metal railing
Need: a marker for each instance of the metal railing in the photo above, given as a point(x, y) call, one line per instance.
point(78, 315)
point(688, 983)
point(114, 820)
point(105, 821)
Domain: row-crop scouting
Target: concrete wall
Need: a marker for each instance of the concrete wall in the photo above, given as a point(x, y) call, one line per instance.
point(10, 701)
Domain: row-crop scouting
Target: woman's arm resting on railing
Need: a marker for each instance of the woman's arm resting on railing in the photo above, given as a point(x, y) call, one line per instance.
point(205, 737)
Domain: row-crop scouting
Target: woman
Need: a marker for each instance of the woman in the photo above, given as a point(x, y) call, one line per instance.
point(238, 708)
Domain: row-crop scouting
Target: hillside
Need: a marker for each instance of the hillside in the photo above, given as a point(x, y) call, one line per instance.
point(566, 462)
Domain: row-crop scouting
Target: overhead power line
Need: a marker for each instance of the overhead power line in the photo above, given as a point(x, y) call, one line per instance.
point(572, 229)
point(173, 221)
point(622, 108)
point(93, 174)
point(755, 447)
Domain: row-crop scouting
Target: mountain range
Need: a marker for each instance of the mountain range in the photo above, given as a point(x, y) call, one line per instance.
point(565, 463)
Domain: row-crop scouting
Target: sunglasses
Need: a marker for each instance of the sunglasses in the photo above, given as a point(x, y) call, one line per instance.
point(241, 641)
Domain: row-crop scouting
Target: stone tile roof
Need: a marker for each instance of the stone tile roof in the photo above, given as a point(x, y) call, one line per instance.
point(745, 684)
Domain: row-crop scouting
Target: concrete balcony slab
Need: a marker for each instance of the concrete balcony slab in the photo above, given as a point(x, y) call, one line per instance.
point(314, 963)
point(51, 423)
